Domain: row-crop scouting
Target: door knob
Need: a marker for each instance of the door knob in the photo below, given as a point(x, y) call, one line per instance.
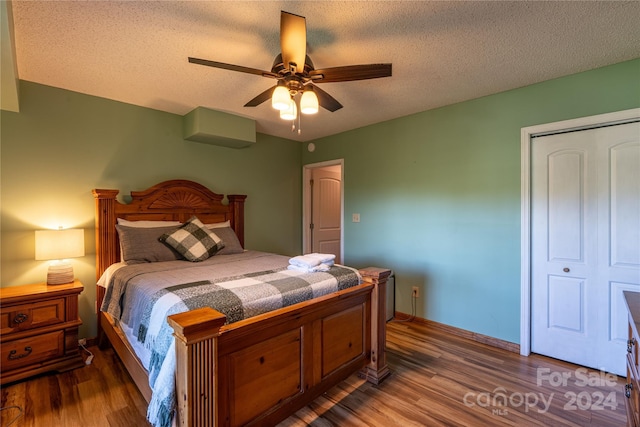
point(566, 269)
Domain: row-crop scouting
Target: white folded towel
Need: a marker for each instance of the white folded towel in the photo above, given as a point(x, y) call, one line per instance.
point(312, 260)
point(315, 269)
point(324, 258)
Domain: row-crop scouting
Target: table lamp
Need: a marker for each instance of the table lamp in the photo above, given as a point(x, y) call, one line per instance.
point(59, 245)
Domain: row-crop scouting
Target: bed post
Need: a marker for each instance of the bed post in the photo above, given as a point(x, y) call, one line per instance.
point(237, 205)
point(105, 243)
point(105, 229)
point(197, 364)
point(377, 370)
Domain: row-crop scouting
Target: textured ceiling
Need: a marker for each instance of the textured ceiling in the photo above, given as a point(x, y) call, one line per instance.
point(442, 52)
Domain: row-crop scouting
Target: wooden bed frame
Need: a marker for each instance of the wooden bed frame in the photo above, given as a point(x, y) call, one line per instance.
point(260, 370)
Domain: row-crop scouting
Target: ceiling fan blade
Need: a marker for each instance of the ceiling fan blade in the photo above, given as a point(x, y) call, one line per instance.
point(350, 72)
point(293, 40)
point(232, 67)
point(264, 96)
point(326, 101)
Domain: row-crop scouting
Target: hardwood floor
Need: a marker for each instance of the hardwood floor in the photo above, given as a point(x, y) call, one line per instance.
point(442, 380)
point(437, 380)
point(101, 394)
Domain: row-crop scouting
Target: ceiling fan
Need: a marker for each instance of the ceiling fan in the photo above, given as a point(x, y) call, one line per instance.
point(295, 73)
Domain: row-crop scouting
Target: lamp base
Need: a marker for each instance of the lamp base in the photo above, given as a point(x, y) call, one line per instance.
point(60, 273)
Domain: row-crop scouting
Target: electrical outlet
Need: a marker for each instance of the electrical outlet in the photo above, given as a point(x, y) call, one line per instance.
point(415, 292)
point(82, 341)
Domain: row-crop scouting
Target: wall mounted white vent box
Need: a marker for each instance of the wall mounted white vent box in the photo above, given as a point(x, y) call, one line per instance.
point(218, 128)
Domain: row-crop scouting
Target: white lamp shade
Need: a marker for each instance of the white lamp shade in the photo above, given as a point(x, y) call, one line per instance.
point(309, 102)
point(59, 244)
point(291, 112)
point(280, 98)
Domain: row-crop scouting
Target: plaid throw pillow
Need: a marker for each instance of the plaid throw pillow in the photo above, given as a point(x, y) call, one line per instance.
point(193, 241)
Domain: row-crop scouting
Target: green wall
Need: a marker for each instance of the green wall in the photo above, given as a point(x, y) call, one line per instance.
point(63, 144)
point(439, 194)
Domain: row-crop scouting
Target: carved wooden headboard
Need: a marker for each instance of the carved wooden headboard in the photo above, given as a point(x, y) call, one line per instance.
point(175, 200)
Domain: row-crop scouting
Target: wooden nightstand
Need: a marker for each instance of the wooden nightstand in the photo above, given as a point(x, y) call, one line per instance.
point(38, 330)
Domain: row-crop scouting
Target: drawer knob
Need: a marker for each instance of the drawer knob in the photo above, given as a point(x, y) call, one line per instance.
point(20, 318)
point(14, 356)
point(630, 343)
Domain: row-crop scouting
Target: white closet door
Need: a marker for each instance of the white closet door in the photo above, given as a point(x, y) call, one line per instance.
point(585, 243)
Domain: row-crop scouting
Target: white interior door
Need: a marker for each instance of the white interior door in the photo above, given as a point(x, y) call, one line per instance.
point(585, 243)
point(326, 210)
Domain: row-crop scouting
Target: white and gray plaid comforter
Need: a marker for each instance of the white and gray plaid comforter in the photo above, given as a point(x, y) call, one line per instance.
point(240, 286)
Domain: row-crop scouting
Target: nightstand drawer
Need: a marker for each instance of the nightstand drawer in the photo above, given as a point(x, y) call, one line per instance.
point(38, 330)
point(33, 315)
point(27, 351)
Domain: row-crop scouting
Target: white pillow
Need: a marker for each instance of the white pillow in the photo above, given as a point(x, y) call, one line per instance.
point(218, 225)
point(146, 223)
point(154, 224)
point(105, 279)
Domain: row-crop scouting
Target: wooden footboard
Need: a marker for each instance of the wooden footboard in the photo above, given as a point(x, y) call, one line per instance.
point(261, 370)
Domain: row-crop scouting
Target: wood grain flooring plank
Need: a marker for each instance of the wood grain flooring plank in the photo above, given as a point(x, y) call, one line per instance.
point(437, 379)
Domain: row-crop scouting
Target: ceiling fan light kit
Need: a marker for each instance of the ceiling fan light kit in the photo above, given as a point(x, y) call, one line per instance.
point(281, 97)
point(294, 80)
point(308, 102)
point(291, 112)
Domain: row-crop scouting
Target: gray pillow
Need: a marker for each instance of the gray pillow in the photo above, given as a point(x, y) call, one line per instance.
point(193, 240)
point(140, 245)
point(231, 243)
